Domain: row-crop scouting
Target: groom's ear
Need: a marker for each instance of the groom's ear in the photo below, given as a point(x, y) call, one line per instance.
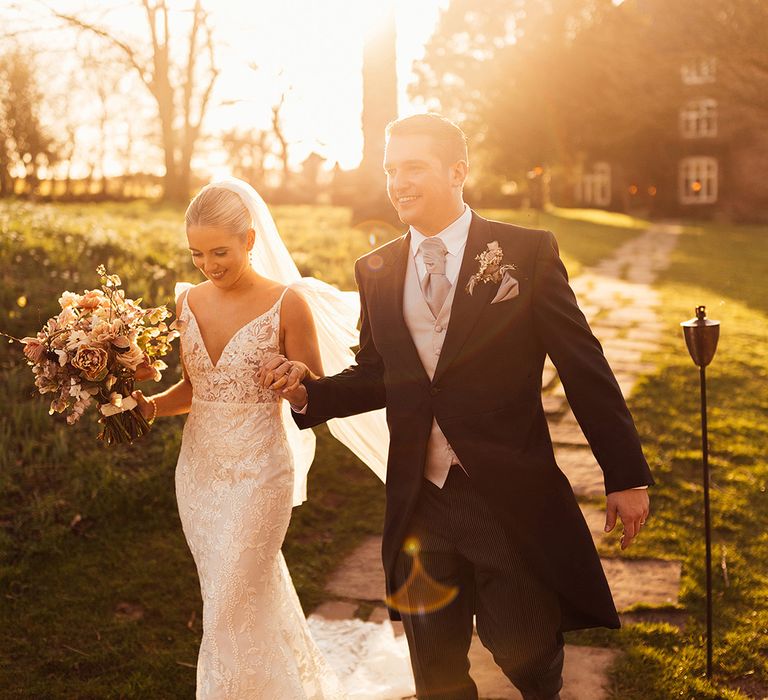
point(459, 172)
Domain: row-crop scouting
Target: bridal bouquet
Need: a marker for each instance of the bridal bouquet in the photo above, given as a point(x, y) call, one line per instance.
point(89, 353)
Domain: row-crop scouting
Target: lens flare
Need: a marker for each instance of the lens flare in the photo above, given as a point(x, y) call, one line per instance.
point(420, 594)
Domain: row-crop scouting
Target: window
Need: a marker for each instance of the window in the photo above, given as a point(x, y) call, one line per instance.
point(699, 119)
point(698, 180)
point(699, 70)
point(595, 188)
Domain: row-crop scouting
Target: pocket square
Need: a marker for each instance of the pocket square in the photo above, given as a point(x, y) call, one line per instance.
point(508, 289)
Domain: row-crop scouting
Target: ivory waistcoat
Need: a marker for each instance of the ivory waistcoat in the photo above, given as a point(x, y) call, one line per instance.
point(428, 335)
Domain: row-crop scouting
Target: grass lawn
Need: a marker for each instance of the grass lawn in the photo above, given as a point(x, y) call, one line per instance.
point(725, 268)
point(584, 235)
point(99, 593)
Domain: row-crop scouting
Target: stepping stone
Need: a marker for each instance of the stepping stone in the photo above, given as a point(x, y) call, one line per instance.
point(335, 610)
point(603, 333)
point(641, 346)
point(626, 382)
point(585, 673)
point(632, 315)
point(645, 334)
point(361, 574)
point(549, 374)
point(615, 353)
point(643, 581)
point(567, 431)
point(590, 310)
point(380, 615)
point(595, 517)
point(582, 470)
point(554, 404)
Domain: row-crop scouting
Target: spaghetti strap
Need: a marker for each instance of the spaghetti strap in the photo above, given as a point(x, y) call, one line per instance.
point(279, 303)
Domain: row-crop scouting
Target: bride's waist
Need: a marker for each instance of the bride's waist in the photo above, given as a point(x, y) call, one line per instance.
point(256, 405)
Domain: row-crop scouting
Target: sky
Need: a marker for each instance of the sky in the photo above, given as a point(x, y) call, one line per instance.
point(315, 49)
point(310, 49)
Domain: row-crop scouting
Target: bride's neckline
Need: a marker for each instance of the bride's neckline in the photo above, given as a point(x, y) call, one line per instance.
point(215, 365)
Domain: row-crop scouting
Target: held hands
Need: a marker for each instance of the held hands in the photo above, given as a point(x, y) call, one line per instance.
point(633, 507)
point(285, 377)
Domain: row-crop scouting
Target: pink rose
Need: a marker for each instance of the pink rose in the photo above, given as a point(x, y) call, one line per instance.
point(92, 362)
point(91, 300)
point(132, 358)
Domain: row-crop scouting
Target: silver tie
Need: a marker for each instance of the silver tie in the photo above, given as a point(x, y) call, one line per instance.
point(435, 284)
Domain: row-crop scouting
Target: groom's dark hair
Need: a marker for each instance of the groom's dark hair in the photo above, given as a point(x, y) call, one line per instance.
point(449, 140)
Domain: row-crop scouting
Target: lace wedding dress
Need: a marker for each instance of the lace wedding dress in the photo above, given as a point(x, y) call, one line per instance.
point(234, 487)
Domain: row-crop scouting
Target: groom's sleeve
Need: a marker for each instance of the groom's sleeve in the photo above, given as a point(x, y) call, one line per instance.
point(590, 386)
point(358, 389)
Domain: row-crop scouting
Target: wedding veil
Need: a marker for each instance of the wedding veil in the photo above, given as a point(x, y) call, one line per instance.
point(336, 314)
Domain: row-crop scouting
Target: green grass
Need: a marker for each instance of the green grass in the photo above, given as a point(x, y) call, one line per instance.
point(585, 236)
point(62, 578)
point(727, 270)
point(83, 529)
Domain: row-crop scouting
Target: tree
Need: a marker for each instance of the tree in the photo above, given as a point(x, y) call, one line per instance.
point(504, 70)
point(24, 142)
point(247, 151)
point(379, 108)
point(181, 89)
point(282, 141)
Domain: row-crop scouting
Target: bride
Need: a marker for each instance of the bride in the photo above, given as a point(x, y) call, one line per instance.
point(243, 463)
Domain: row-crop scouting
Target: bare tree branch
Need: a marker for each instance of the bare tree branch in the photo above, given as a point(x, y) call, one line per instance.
point(129, 53)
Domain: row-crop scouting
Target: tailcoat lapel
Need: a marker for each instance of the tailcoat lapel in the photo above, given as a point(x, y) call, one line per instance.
point(466, 308)
point(391, 290)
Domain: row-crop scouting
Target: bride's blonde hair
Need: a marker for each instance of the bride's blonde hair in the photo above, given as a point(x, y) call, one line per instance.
point(219, 207)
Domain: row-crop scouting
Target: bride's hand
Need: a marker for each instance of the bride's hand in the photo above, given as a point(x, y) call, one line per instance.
point(281, 374)
point(145, 406)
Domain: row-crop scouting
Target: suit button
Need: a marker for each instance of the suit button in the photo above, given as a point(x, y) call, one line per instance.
point(434, 390)
point(439, 328)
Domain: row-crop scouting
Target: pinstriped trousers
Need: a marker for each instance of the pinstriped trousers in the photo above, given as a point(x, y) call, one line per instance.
point(462, 544)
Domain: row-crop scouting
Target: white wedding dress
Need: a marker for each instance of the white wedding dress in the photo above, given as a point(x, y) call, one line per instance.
point(234, 487)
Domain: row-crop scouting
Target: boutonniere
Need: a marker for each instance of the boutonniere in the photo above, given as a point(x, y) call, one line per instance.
point(492, 267)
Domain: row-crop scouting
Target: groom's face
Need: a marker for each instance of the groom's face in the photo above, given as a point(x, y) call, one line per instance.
point(423, 189)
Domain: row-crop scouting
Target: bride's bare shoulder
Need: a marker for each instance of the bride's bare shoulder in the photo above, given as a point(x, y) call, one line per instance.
point(200, 293)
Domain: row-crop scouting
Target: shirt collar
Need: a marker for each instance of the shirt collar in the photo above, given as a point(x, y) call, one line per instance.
point(454, 235)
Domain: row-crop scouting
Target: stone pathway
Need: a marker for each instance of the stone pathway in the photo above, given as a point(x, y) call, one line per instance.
point(620, 304)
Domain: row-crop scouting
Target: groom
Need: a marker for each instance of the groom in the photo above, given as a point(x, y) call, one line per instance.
point(473, 490)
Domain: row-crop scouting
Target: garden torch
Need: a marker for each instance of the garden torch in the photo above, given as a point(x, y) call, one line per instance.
point(701, 336)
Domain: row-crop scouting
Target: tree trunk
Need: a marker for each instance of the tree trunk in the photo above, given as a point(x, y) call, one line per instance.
point(379, 108)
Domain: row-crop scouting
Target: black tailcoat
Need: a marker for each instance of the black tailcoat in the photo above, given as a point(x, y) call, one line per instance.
point(486, 397)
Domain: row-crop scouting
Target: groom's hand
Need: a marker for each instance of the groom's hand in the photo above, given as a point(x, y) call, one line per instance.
point(633, 507)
